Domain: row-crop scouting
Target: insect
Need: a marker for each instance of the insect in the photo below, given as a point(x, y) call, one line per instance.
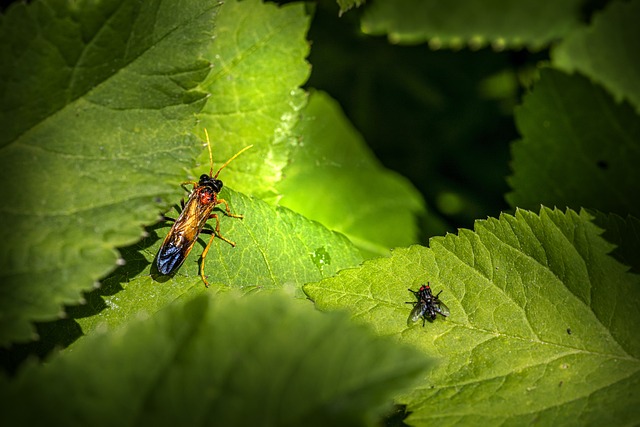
point(427, 305)
point(191, 221)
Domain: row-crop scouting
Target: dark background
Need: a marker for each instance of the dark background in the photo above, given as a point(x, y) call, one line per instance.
point(443, 119)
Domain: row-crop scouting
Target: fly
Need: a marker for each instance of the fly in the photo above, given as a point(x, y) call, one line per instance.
point(195, 214)
point(427, 305)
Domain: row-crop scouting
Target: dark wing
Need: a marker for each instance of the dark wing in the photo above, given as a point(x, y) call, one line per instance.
point(170, 258)
point(182, 237)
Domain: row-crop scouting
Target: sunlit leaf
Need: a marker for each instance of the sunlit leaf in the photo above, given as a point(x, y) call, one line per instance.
point(275, 249)
point(334, 178)
point(543, 324)
point(258, 65)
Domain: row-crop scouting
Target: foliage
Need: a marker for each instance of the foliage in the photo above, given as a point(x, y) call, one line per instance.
point(103, 106)
point(503, 24)
point(574, 133)
point(533, 336)
point(226, 358)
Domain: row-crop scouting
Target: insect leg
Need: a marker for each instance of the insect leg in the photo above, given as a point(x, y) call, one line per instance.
point(204, 255)
point(226, 205)
point(206, 249)
point(194, 183)
point(217, 233)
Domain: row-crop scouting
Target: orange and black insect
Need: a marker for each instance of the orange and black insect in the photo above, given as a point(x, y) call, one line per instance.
point(195, 214)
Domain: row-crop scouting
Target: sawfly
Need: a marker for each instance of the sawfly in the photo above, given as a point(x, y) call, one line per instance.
point(195, 213)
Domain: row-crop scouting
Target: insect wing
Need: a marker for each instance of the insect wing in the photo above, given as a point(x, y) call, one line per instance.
point(442, 308)
point(169, 258)
point(173, 252)
point(416, 313)
point(182, 237)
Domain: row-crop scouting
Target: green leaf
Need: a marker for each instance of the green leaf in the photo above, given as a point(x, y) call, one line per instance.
point(122, 126)
point(543, 324)
point(605, 51)
point(511, 24)
point(351, 191)
point(275, 249)
point(96, 101)
point(259, 360)
point(579, 148)
point(258, 58)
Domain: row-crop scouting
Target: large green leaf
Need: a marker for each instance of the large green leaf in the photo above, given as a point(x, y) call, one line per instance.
point(275, 249)
point(512, 24)
point(606, 51)
point(110, 151)
point(579, 148)
point(96, 101)
point(543, 324)
point(333, 178)
point(254, 87)
point(321, 155)
point(258, 360)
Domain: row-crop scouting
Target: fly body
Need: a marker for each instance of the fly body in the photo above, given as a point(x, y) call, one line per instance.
point(427, 306)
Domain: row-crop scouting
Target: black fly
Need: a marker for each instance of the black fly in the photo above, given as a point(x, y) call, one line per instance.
point(427, 305)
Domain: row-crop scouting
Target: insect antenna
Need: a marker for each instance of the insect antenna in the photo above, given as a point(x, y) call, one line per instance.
point(210, 155)
point(227, 162)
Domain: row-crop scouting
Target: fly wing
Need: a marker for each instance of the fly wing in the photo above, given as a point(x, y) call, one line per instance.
point(416, 313)
point(442, 308)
